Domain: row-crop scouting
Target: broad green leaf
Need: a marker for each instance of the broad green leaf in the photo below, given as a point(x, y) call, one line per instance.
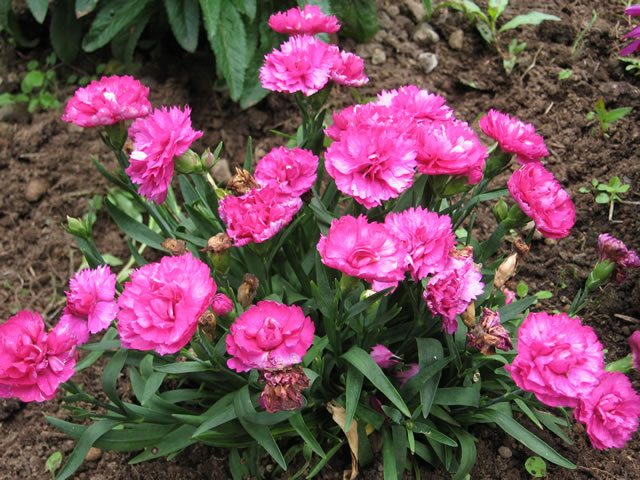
point(211, 16)
point(531, 18)
point(429, 352)
point(602, 198)
point(85, 7)
point(65, 31)
point(468, 453)
point(38, 9)
point(358, 18)
point(32, 80)
point(536, 467)
point(184, 18)
point(616, 114)
point(53, 462)
point(388, 456)
point(363, 362)
point(124, 43)
point(246, 7)
point(134, 229)
point(298, 423)
point(110, 19)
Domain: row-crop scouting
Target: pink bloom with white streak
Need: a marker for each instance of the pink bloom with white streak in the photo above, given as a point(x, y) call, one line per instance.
point(91, 306)
point(33, 363)
point(371, 164)
point(427, 237)
point(514, 136)
point(370, 115)
point(303, 64)
point(108, 101)
point(420, 104)
point(634, 343)
point(158, 139)
point(610, 411)
point(292, 171)
point(349, 70)
point(383, 357)
point(310, 20)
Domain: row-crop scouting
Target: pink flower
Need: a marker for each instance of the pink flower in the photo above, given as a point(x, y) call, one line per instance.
point(614, 250)
point(450, 148)
point(514, 136)
point(509, 295)
point(427, 237)
point(283, 389)
point(157, 139)
point(221, 304)
point(349, 70)
point(364, 250)
point(162, 302)
point(292, 171)
point(372, 164)
point(542, 198)
point(33, 363)
point(559, 359)
point(634, 343)
point(421, 105)
point(111, 100)
point(303, 64)
point(383, 356)
point(309, 21)
point(258, 215)
point(633, 10)
point(370, 115)
point(450, 291)
point(406, 375)
point(489, 334)
point(91, 306)
point(610, 411)
point(269, 336)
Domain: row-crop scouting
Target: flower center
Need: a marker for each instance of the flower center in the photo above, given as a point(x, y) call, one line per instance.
point(269, 336)
point(362, 256)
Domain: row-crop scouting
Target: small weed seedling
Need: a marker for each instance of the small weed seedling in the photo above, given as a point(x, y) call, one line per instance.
point(633, 65)
point(607, 193)
point(53, 463)
point(577, 45)
point(536, 467)
point(607, 118)
point(564, 74)
point(38, 87)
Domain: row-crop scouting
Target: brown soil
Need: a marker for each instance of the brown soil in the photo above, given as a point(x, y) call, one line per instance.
point(37, 257)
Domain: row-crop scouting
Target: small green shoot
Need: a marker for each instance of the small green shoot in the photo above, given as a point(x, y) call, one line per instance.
point(564, 74)
point(607, 193)
point(53, 463)
point(38, 87)
point(536, 467)
point(633, 65)
point(607, 118)
point(577, 45)
point(515, 49)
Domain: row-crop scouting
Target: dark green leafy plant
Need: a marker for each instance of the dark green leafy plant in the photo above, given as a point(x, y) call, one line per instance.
point(38, 87)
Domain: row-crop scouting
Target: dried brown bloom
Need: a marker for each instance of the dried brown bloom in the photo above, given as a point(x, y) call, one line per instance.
point(242, 182)
point(283, 389)
point(176, 247)
point(521, 247)
point(218, 243)
point(469, 315)
point(489, 334)
point(247, 290)
point(506, 270)
point(207, 322)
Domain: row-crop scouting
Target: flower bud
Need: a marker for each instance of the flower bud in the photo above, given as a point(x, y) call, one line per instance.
point(76, 226)
point(218, 248)
point(176, 247)
point(247, 290)
point(188, 162)
point(500, 210)
point(600, 273)
point(207, 160)
point(116, 135)
point(242, 182)
point(469, 315)
point(348, 283)
point(506, 270)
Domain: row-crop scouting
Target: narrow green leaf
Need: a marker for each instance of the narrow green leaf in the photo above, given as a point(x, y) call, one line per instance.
point(316, 469)
point(428, 430)
point(531, 18)
point(553, 423)
point(38, 9)
point(183, 367)
point(100, 347)
point(467, 396)
point(363, 362)
point(110, 376)
point(429, 351)
point(527, 411)
point(184, 19)
point(388, 456)
point(616, 114)
point(468, 453)
point(352, 394)
point(134, 229)
point(298, 423)
point(219, 413)
point(151, 386)
point(509, 312)
point(85, 7)
point(176, 441)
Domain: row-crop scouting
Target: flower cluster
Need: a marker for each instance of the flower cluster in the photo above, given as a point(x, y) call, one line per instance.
point(614, 250)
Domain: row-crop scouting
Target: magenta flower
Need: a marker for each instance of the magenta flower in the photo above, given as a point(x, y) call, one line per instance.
point(371, 164)
point(489, 334)
point(33, 363)
point(406, 375)
point(427, 237)
point(364, 250)
point(633, 10)
point(292, 171)
point(349, 70)
point(450, 291)
point(91, 306)
point(111, 100)
point(157, 139)
point(634, 343)
point(559, 359)
point(308, 21)
point(384, 357)
point(509, 295)
point(161, 304)
point(303, 64)
point(542, 198)
point(283, 389)
point(269, 336)
point(258, 215)
point(614, 250)
point(450, 148)
point(514, 136)
point(610, 411)
point(420, 104)
point(221, 304)
point(369, 115)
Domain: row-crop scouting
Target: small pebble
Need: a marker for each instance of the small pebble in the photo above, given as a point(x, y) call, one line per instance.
point(93, 455)
point(36, 188)
point(393, 10)
point(505, 452)
point(378, 57)
point(425, 34)
point(626, 331)
point(456, 40)
point(416, 8)
point(428, 61)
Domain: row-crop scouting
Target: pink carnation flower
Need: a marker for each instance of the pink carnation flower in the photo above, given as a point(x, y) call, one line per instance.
point(308, 21)
point(450, 148)
point(610, 411)
point(614, 250)
point(111, 100)
point(384, 357)
point(559, 359)
point(427, 237)
point(258, 215)
point(303, 64)
point(514, 136)
point(91, 306)
point(33, 363)
point(634, 343)
point(450, 291)
point(420, 104)
point(509, 295)
point(408, 374)
point(221, 304)
point(371, 164)
point(542, 198)
point(161, 304)
point(369, 115)
point(292, 171)
point(269, 336)
point(633, 10)
point(157, 139)
point(349, 70)
point(364, 250)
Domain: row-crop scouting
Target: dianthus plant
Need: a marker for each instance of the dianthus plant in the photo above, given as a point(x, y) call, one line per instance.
point(334, 294)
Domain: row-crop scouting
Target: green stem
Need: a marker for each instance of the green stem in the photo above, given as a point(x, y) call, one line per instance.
point(502, 398)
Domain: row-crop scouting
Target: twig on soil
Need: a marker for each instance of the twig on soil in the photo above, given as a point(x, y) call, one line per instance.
point(548, 108)
point(592, 470)
point(530, 67)
point(626, 318)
